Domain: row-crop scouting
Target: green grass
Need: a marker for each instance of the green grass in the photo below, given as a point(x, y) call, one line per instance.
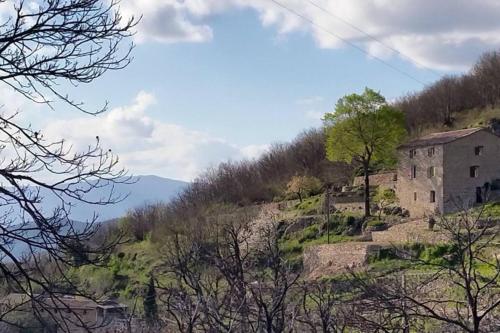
point(492, 210)
point(293, 245)
point(126, 274)
point(389, 259)
point(308, 206)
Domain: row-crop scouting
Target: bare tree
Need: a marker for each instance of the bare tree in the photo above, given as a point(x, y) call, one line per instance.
point(322, 307)
point(44, 47)
point(222, 283)
point(52, 41)
point(460, 291)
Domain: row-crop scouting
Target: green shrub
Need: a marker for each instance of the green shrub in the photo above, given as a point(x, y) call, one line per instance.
point(436, 253)
point(309, 233)
point(291, 246)
point(492, 209)
point(375, 223)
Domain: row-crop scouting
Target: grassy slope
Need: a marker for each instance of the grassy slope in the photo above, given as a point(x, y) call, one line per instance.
point(127, 274)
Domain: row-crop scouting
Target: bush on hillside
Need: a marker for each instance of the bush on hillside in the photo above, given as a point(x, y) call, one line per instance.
point(303, 186)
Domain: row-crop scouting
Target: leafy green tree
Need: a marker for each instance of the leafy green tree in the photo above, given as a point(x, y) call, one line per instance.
point(150, 306)
point(303, 185)
point(364, 129)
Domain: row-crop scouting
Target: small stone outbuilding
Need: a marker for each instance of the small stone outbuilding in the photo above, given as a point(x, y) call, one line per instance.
point(446, 172)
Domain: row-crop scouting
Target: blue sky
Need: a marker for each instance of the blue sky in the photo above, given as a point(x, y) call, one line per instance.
point(213, 81)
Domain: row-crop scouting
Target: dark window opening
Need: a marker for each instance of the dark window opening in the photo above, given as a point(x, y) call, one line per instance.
point(413, 171)
point(413, 152)
point(478, 150)
point(395, 177)
point(479, 195)
point(474, 171)
point(433, 196)
point(431, 172)
point(431, 151)
point(414, 196)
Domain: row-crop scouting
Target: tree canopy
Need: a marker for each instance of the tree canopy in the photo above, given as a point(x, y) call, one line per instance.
point(364, 129)
point(364, 126)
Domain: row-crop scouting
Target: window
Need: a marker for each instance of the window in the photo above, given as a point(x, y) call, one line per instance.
point(478, 151)
point(474, 171)
point(413, 152)
point(413, 171)
point(433, 196)
point(431, 151)
point(431, 172)
point(479, 195)
point(414, 196)
point(395, 177)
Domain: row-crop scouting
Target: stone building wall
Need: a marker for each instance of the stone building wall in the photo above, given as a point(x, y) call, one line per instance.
point(414, 194)
point(459, 156)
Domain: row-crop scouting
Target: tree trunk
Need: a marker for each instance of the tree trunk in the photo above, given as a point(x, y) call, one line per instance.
point(366, 169)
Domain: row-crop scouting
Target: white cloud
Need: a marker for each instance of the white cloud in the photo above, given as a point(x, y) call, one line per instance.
point(148, 146)
point(166, 21)
point(445, 34)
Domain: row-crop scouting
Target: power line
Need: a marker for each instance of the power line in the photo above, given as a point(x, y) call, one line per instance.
point(372, 37)
point(305, 18)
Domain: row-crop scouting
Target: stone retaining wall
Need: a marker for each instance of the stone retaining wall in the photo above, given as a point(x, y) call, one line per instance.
point(329, 259)
point(387, 180)
point(358, 206)
point(411, 232)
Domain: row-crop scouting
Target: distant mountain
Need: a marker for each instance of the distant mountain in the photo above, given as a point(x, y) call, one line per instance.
point(142, 190)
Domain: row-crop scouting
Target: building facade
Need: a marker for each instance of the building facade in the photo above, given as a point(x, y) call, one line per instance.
point(448, 171)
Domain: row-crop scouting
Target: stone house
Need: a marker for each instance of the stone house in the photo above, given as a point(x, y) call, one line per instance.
point(445, 172)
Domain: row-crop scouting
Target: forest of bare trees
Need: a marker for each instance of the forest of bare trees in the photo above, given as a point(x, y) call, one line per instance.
point(263, 179)
point(439, 103)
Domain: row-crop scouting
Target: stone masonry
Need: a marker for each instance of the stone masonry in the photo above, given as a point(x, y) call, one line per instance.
point(446, 172)
point(331, 259)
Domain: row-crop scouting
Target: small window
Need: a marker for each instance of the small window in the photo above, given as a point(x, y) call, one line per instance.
point(395, 177)
point(413, 171)
point(474, 171)
point(478, 151)
point(414, 196)
point(431, 172)
point(433, 196)
point(431, 151)
point(413, 152)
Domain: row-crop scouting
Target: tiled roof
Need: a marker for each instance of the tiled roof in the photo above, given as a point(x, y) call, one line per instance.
point(440, 138)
